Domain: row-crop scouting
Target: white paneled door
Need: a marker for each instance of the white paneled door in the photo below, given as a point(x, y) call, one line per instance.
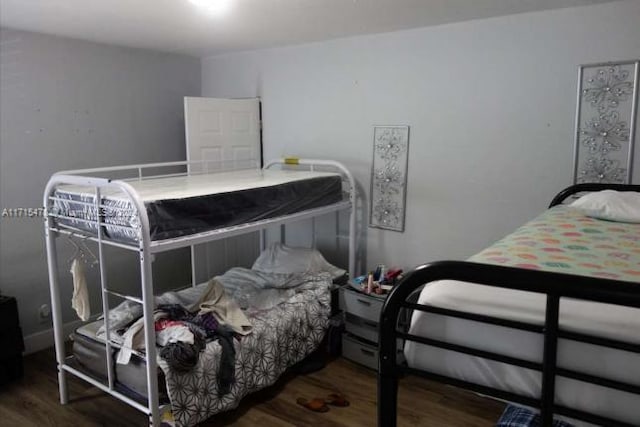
point(223, 132)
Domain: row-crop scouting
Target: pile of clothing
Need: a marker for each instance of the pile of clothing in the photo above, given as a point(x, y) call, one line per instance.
point(184, 335)
point(183, 330)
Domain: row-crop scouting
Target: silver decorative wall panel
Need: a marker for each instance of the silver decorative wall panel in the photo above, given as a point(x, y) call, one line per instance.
point(606, 112)
point(389, 177)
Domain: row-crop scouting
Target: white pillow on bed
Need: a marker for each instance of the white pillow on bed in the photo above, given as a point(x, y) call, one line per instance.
point(279, 258)
point(620, 206)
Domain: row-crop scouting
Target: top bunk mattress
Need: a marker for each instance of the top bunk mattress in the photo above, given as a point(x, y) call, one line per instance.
point(184, 205)
point(563, 240)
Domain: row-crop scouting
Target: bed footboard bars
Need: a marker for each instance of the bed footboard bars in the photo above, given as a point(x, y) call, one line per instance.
point(553, 285)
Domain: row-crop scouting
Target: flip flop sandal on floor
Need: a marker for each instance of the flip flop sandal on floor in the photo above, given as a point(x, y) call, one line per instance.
point(315, 405)
point(337, 400)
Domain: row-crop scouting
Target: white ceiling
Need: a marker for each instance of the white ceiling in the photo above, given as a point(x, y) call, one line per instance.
point(179, 26)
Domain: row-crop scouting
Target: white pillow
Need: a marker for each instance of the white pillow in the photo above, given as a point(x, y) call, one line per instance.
point(279, 258)
point(619, 206)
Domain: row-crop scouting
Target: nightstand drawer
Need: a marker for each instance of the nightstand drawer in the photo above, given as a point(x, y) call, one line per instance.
point(360, 352)
point(364, 306)
point(361, 327)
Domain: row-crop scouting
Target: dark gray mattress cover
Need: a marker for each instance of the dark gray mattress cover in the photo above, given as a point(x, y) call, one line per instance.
point(175, 213)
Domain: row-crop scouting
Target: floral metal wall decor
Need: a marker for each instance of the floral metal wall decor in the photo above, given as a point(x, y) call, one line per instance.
point(606, 113)
point(389, 177)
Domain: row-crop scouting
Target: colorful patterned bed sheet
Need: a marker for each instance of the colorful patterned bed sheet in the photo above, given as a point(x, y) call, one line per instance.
point(564, 240)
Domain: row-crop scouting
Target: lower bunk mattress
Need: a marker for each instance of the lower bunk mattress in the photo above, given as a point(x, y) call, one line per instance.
point(88, 351)
point(282, 335)
point(564, 240)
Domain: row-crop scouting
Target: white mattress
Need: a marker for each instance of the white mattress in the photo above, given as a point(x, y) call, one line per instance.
point(603, 320)
point(183, 187)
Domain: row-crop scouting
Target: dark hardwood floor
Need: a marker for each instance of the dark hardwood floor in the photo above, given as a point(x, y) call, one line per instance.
point(33, 401)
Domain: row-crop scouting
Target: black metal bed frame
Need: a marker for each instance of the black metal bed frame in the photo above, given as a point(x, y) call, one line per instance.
point(553, 285)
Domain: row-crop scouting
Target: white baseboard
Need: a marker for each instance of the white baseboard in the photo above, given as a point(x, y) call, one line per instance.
point(44, 339)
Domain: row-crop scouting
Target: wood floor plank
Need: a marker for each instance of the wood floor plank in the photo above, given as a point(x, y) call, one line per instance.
point(33, 401)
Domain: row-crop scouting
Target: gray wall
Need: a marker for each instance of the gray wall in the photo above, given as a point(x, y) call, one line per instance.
point(490, 103)
point(72, 104)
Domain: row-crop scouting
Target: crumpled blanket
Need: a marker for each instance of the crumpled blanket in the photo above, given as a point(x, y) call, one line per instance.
point(281, 337)
point(225, 310)
point(258, 291)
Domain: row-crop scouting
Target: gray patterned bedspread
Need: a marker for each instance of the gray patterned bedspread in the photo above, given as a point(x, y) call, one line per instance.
point(282, 336)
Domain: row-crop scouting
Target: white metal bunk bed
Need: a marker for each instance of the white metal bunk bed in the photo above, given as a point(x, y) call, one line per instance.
point(96, 228)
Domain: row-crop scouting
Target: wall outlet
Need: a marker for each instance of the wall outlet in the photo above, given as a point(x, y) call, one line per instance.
point(44, 313)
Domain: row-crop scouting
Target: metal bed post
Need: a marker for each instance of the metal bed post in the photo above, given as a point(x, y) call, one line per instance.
point(313, 220)
point(148, 306)
point(387, 363)
point(105, 295)
point(576, 132)
point(352, 227)
point(263, 239)
point(313, 232)
point(194, 280)
point(387, 375)
point(149, 332)
point(632, 126)
point(56, 313)
point(549, 359)
point(337, 229)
